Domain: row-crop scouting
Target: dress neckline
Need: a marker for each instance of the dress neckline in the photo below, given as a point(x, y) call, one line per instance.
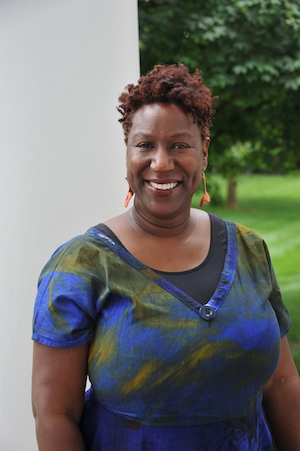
point(222, 288)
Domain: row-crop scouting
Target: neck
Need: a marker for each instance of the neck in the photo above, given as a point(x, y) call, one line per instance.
point(161, 227)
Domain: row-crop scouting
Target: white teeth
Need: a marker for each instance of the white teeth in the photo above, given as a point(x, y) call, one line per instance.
point(163, 186)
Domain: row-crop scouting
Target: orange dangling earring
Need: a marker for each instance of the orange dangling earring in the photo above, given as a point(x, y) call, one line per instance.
point(128, 197)
point(206, 197)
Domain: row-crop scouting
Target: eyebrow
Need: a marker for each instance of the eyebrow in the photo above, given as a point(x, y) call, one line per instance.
point(175, 135)
point(182, 135)
point(142, 135)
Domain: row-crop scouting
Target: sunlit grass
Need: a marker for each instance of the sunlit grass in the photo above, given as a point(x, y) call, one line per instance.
point(270, 205)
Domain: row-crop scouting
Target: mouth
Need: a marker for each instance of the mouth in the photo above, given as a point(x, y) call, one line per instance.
point(163, 186)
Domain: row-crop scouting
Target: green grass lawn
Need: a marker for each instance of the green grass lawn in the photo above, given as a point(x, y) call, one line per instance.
point(270, 205)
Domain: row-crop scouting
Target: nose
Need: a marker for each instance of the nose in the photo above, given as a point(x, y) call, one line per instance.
point(162, 160)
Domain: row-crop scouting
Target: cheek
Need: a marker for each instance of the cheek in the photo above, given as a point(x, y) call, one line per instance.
point(195, 165)
point(201, 163)
point(198, 177)
point(198, 170)
point(135, 161)
point(134, 168)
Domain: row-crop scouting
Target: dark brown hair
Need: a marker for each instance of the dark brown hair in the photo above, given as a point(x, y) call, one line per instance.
point(169, 84)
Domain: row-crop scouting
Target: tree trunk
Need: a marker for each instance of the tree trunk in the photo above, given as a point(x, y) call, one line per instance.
point(231, 194)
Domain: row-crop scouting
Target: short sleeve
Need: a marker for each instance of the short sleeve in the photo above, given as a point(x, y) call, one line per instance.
point(257, 257)
point(275, 298)
point(71, 291)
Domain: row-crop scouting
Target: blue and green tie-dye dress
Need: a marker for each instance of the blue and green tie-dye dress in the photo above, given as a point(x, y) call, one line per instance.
point(165, 378)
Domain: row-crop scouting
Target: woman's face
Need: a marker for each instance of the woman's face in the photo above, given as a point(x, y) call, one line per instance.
point(165, 159)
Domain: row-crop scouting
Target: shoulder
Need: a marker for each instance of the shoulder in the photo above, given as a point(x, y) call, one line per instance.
point(248, 238)
point(245, 231)
point(242, 232)
point(88, 240)
point(250, 245)
point(252, 249)
point(200, 216)
point(80, 251)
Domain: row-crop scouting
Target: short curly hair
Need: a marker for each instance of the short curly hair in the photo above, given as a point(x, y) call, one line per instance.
point(169, 84)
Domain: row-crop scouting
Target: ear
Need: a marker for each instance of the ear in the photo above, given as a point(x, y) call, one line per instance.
point(205, 147)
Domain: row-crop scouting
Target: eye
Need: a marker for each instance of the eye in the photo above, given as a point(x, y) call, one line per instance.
point(180, 146)
point(145, 145)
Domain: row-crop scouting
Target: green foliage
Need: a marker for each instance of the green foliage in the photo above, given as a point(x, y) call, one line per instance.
point(249, 55)
point(234, 160)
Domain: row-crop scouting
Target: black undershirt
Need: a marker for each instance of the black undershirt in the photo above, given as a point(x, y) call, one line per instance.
point(200, 282)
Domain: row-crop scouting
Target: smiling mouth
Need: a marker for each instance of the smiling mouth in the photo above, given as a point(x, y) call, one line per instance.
point(163, 186)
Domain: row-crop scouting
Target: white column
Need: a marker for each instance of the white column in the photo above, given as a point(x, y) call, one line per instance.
point(63, 64)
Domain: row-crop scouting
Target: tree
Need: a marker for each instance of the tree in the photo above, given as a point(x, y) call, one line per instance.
point(249, 54)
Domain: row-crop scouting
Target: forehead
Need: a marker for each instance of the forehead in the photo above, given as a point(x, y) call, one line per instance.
point(163, 118)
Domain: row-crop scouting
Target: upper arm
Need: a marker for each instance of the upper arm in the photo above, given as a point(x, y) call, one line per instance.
point(286, 370)
point(58, 380)
point(282, 400)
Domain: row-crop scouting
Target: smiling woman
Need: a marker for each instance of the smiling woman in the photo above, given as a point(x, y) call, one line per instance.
point(174, 314)
point(166, 157)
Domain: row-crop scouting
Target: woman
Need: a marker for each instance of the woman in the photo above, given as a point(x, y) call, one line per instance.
point(173, 313)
